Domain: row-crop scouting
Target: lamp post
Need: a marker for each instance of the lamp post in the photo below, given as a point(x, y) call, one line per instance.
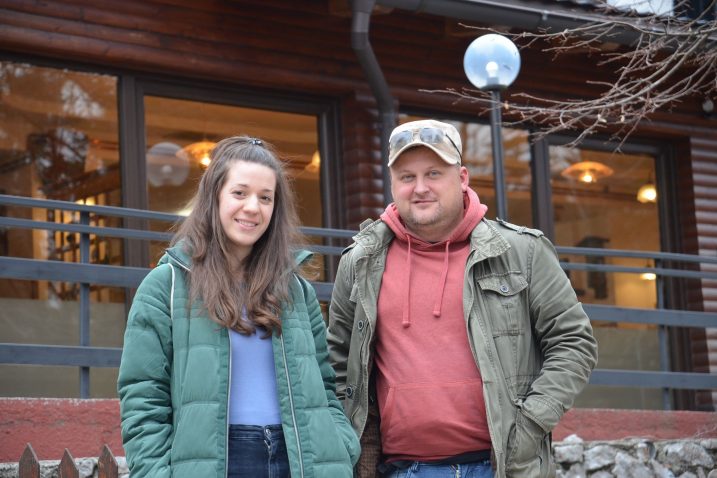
point(492, 63)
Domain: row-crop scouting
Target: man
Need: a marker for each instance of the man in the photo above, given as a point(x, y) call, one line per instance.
point(458, 342)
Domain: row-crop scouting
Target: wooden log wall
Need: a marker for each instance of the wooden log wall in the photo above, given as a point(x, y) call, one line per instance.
point(704, 166)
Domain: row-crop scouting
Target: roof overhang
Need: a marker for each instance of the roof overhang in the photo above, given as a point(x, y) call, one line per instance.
point(524, 15)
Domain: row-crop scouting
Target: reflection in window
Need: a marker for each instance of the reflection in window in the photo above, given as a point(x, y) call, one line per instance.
point(599, 201)
point(58, 133)
point(596, 204)
point(58, 140)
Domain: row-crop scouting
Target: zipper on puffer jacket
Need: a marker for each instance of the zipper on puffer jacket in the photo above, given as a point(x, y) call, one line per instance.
point(291, 404)
point(229, 392)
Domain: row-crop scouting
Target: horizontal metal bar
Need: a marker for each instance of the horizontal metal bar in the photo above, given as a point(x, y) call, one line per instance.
point(126, 233)
point(638, 270)
point(117, 276)
point(32, 269)
point(120, 276)
point(323, 290)
point(326, 250)
point(58, 355)
point(64, 355)
point(103, 231)
point(665, 256)
point(670, 317)
point(9, 200)
point(310, 231)
point(326, 232)
point(643, 379)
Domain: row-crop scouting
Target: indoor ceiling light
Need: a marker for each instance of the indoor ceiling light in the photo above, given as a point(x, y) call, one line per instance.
point(314, 164)
point(200, 152)
point(648, 276)
point(647, 193)
point(587, 171)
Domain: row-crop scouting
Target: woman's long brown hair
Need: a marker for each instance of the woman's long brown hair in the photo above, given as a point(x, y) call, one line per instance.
point(261, 286)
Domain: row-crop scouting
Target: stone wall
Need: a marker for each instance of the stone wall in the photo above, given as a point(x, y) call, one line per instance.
point(575, 458)
point(636, 458)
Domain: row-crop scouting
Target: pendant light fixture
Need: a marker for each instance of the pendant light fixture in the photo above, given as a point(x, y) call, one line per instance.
point(647, 192)
point(200, 152)
point(587, 171)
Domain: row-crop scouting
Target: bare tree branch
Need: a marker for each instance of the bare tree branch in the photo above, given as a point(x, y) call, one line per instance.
point(673, 59)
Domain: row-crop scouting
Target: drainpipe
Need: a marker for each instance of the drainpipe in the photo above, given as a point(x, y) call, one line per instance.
point(361, 18)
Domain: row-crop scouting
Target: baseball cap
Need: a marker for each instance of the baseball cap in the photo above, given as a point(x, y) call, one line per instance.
point(442, 138)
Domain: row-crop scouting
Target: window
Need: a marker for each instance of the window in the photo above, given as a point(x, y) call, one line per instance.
point(603, 199)
point(58, 140)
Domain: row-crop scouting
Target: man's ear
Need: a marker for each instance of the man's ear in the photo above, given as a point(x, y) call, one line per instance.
point(465, 179)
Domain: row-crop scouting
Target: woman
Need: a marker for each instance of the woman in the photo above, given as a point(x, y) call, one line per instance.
point(225, 370)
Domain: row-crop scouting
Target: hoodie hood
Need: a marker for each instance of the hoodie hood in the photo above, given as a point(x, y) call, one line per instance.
point(473, 213)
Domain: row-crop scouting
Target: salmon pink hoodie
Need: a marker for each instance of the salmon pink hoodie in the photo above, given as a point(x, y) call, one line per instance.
point(429, 388)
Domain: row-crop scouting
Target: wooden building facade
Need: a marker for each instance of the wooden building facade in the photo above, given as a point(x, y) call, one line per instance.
point(106, 102)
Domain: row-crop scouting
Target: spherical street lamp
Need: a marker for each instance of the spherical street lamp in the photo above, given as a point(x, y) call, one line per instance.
point(492, 63)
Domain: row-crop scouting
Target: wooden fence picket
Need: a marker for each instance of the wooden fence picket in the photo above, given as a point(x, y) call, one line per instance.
point(68, 469)
point(29, 467)
point(107, 465)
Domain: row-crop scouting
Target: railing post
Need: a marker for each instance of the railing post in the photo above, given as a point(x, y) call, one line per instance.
point(84, 305)
point(29, 467)
point(67, 468)
point(107, 465)
point(662, 336)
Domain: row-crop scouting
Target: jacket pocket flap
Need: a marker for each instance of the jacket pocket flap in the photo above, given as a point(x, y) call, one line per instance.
point(505, 285)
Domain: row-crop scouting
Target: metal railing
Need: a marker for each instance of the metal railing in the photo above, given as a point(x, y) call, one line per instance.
point(87, 274)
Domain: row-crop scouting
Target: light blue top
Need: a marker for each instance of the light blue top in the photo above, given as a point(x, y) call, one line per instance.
point(253, 399)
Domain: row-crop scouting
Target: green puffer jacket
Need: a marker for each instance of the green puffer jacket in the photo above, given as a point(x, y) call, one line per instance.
point(529, 335)
point(174, 384)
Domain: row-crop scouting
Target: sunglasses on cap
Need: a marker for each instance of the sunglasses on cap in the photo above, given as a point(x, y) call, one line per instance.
point(433, 136)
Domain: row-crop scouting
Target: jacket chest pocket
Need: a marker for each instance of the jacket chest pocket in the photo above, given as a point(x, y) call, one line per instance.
point(505, 302)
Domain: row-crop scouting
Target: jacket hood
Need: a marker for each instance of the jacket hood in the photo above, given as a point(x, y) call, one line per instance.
point(473, 213)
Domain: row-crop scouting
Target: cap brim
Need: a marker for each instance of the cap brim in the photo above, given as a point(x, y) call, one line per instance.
point(448, 158)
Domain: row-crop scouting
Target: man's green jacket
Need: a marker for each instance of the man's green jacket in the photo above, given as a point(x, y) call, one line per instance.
point(529, 335)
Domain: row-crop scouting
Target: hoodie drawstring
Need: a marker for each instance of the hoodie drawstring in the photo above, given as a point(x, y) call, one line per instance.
point(439, 303)
point(406, 321)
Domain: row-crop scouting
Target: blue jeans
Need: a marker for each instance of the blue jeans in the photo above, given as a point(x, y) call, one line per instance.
point(479, 469)
point(257, 452)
